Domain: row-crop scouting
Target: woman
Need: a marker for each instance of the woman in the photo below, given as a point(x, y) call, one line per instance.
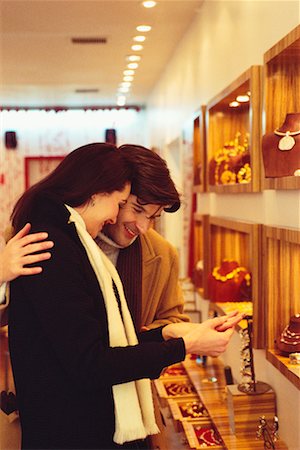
point(81, 376)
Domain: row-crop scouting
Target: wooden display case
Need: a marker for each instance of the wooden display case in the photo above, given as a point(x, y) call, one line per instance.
point(282, 93)
point(224, 124)
point(191, 410)
point(201, 255)
point(239, 241)
point(281, 249)
point(199, 150)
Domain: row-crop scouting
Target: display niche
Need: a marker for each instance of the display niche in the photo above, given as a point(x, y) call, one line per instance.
point(200, 253)
point(234, 271)
point(233, 121)
point(281, 140)
point(281, 265)
point(199, 150)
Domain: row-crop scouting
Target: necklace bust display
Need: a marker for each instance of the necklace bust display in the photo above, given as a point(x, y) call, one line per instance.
point(281, 149)
point(289, 340)
point(229, 282)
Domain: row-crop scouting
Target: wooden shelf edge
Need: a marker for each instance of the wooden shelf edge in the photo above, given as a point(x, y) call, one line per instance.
point(282, 364)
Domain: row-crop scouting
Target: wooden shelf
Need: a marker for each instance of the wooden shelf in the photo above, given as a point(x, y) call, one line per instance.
point(199, 150)
point(223, 124)
point(282, 94)
point(201, 249)
point(282, 363)
point(240, 241)
point(281, 289)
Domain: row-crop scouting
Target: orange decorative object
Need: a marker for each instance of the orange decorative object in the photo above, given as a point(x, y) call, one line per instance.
point(229, 282)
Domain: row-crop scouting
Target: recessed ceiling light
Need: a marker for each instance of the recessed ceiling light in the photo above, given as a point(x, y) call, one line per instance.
point(136, 47)
point(123, 89)
point(128, 72)
point(133, 58)
point(128, 78)
point(125, 84)
point(243, 98)
point(139, 38)
point(132, 65)
point(234, 104)
point(149, 4)
point(143, 28)
point(121, 100)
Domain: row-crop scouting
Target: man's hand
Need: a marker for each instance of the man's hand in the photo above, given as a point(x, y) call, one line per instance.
point(21, 251)
point(208, 338)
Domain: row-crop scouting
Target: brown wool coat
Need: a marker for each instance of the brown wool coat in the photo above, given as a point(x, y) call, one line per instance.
point(162, 299)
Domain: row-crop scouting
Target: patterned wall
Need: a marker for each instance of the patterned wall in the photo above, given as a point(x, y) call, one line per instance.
point(50, 133)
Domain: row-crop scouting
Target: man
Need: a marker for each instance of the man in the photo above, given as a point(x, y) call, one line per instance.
point(146, 262)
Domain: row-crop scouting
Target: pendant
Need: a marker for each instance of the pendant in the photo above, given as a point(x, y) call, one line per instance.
point(287, 142)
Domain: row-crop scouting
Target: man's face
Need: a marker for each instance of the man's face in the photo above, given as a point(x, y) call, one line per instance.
point(133, 219)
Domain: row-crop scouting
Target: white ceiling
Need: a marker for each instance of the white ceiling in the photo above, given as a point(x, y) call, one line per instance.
point(41, 67)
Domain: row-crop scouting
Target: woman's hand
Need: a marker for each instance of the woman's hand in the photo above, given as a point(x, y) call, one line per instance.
point(21, 251)
point(208, 338)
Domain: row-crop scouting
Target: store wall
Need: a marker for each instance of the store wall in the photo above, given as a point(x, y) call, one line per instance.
point(50, 133)
point(225, 39)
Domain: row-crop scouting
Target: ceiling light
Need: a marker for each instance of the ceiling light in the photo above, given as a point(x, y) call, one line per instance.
point(139, 38)
point(143, 28)
point(136, 47)
point(234, 104)
point(123, 89)
point(128, 72)
point(128, 78)
point(132, 65)
point(149, 4)
point(133, 58)
point(243, 98)
point(121, 100)
point(125, 84)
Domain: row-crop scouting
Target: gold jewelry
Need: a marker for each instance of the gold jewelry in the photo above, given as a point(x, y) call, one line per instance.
point(230, 275)
point(228, 176)
point(287, 142)
point(244, 174)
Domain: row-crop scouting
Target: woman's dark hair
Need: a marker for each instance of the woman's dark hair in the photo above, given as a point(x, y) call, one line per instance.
point(88, 170)
point(151, 181)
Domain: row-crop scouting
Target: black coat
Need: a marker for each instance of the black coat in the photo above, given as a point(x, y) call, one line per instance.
point(63, 366)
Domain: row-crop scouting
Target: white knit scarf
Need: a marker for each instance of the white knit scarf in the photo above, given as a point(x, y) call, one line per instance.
point(134, 412)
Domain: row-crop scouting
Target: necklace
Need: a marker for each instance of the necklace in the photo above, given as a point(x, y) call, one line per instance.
point(287, 141)
point(231, 275)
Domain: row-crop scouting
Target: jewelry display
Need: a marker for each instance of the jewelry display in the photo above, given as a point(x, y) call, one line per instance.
point(249, 385)
point(267, 432)
point(294, 358)
point(289, 340)
point(174, 371)
point(207, 436)
point(193, 410)
point(287, 142)
point(229, 282)
point(281, 149)
point(184, 388)
point(231, 163)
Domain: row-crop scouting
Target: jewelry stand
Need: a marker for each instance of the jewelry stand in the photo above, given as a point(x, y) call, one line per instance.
point(250, 399)
point(281, 149)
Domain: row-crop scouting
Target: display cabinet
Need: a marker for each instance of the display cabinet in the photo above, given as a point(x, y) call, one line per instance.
point(281, 265)
point(202, 420)
point(281, 98)
point(200, 253)
point(199, 150)
point(233, 120)
point(239, 241)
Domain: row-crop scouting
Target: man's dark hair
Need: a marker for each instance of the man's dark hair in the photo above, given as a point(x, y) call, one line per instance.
point(151, 181)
